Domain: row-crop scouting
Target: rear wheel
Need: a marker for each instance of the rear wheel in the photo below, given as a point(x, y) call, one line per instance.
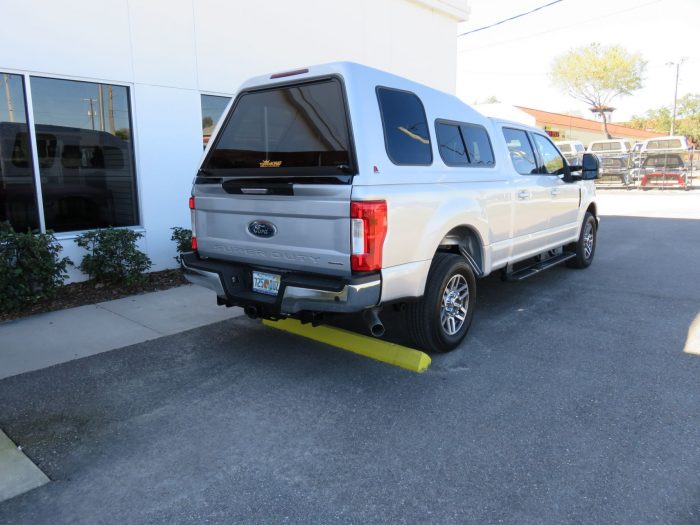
point(439, 320)
point(585, 246)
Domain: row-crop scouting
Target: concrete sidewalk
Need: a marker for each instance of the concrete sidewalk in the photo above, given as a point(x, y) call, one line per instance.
point(51, 338)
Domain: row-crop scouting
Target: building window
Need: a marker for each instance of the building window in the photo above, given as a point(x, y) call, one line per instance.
point(212, 109)
point(18, 203)
point(405, 127)
point(85, 151)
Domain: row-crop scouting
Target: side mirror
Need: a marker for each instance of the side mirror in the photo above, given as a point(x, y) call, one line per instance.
point(590, 166)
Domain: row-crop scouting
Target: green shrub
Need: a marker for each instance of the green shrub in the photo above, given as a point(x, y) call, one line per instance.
point(113, 256)
point(30, 267)
point(183, 241)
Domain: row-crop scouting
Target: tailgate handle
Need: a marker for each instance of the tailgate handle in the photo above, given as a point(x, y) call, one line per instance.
point(248, 187)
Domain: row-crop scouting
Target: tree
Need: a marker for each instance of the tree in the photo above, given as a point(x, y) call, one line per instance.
point(687, 118)
point(658, 120)
point(596, 74)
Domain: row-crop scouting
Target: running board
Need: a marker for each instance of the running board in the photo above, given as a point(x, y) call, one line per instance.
point(536, 268)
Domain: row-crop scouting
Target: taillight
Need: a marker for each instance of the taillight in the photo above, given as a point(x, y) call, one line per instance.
point(194, 227)
point(368, 223)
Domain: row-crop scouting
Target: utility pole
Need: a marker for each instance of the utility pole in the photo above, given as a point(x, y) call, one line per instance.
point(675, 93)
point(91, 110)
point(8, 98)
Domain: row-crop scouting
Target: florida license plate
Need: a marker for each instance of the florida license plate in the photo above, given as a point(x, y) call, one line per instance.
point(267, 283)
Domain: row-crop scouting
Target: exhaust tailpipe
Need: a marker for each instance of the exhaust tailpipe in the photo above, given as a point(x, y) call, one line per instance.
point(375, 325)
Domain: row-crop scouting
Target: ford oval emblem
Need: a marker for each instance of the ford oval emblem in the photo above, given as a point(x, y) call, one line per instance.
point(262, 229)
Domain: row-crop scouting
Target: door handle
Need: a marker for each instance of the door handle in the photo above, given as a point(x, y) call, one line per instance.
point(555, 192)
point(523, 194)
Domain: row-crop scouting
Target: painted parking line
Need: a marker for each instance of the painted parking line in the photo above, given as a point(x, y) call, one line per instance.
point(389, 353)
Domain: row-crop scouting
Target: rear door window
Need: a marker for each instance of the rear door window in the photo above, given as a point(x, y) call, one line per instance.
point(521, 153)
point(296, 129)
point(405, 127)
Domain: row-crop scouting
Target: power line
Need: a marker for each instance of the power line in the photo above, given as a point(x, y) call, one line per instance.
point(510, 18)
point(559, 28)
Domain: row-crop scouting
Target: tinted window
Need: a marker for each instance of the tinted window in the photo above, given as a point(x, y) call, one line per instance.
point(17, 195)
point(405, 127)
point(452, 148)
point(478, 145)
point(664, 144)
point(553, 162)
point(212, 108)
point(521, 152)
point(579, 147)
point(85, 155)
point(303, 126)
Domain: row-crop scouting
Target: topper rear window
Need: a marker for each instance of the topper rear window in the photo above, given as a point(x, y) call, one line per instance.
point(295, 129)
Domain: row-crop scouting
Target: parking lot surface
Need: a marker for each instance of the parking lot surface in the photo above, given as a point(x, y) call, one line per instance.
point(571, 401)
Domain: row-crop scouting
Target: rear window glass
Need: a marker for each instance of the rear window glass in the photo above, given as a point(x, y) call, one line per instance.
point(664, 144)
point(405, 127)
point(564, 148)
point(606, 146)
point(301, 127)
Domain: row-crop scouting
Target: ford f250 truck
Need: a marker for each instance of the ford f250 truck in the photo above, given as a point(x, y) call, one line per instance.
point(341, 189)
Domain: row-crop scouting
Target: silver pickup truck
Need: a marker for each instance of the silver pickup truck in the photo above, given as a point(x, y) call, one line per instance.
point(341, 189)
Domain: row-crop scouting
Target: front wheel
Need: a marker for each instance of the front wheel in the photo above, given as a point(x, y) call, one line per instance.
point(584, 248)
point(439, 320)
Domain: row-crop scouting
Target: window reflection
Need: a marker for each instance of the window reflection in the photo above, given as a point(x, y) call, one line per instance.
point(84, 147)
point(17, 195)
point(212, 109)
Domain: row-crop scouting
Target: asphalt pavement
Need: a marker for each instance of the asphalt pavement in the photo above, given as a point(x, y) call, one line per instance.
point(571, 401)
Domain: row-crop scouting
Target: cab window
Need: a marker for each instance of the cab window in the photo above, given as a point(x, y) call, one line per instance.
point(552, 162)
point(521, 152)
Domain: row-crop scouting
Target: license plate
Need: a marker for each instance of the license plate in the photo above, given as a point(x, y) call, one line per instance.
point(267, 283)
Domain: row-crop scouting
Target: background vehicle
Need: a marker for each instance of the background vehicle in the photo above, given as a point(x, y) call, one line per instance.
point(614, 161)
point(665, 162)
point(572, 150)
point(339, 188)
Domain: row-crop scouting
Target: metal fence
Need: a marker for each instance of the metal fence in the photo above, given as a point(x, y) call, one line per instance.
point(661, 169)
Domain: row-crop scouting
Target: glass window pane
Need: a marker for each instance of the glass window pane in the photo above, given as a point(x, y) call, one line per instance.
point(85, 154)
point(521, 152)
point(451, 146)
point(478, 145)
point(212, 108)
point(552, 159)
point(405, 127)
point(295, 127)
point(17, 194)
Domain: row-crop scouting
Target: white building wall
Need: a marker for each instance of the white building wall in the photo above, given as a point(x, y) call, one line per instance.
point(171, 51)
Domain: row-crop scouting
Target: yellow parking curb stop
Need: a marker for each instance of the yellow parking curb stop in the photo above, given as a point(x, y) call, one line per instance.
point(390, 353)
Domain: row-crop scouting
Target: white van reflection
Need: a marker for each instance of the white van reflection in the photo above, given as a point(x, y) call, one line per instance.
point(86, 176)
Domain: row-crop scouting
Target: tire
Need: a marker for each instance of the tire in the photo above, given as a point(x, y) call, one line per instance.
point(434, 321)
point(585, 246)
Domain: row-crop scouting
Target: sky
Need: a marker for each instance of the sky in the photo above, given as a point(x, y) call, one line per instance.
point(512, 61)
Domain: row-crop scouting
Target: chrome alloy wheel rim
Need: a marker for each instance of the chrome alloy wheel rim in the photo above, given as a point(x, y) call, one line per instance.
point(588, 240)
point(455, 300)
